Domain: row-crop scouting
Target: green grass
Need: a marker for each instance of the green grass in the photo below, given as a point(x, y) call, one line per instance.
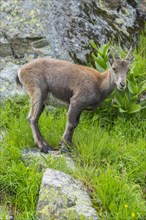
point(112, 164)
point(109, 152)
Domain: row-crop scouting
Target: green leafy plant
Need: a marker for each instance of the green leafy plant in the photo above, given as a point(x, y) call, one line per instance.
point(128, 101)
point(101, 56)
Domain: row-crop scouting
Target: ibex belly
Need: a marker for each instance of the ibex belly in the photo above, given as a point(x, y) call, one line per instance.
point(55, 102)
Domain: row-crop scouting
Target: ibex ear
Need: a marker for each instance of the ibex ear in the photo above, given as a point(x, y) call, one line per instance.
point(111, 59)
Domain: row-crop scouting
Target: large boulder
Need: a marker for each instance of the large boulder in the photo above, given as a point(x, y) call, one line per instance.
point(61, 197)
point(62, 29)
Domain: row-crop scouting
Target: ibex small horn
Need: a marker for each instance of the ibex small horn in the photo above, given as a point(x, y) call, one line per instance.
point(129, 53)
point(116, 55)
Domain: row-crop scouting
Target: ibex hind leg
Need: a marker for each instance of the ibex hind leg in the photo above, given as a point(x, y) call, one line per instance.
point(36, 109)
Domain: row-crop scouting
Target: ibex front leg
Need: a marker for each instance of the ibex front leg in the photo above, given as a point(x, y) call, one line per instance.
point(33, 117)
point(73, 117)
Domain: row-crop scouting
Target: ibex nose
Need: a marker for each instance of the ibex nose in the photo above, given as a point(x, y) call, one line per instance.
point(122, 84)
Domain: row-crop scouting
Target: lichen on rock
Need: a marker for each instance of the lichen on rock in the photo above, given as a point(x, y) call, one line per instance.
point(67, 26)
point(62, 29)
point(62, 197)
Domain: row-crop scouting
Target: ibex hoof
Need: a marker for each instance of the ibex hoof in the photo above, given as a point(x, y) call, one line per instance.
point(46, 149)
point(65, 149)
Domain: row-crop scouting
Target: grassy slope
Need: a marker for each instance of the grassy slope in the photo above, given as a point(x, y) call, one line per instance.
point(110, 160)
point(110, 152)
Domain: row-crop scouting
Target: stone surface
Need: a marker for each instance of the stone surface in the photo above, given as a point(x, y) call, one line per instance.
point(141, 7)
point(5, 214)
point(5, 46)
point(62, 29)
point(7, 81)
point(34, 155)
point(61, 198)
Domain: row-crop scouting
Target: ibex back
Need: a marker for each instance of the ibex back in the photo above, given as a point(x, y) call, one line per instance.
point(77, 86)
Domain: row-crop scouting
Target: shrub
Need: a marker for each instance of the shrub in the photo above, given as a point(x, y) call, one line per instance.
point(129, 101)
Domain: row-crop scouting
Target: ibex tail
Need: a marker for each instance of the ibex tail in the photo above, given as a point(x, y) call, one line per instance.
point(18, 83)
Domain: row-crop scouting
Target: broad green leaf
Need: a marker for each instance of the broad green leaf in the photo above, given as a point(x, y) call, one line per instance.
point(122, 110)
point(134, 98)
point(106, 59)
point(119, 100)
point(106, 48)
point(93, 55)
point(143, 84)
point(93, 45)
point(134, 108)
point(127, 101)
point(101, 63)
point(101, 48)
point(98, 67)
point(100, 54)
point(114, 105)
point(132, 87)
point(136, 89)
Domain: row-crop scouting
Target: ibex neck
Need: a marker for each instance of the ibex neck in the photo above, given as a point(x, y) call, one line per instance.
point(107, 85)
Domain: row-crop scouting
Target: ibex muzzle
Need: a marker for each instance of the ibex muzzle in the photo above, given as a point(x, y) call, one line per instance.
point(77, 86)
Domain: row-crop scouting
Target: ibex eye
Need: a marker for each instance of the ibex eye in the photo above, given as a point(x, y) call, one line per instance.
point(114, 69)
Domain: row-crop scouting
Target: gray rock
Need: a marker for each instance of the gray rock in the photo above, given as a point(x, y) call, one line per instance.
point(62, 29)
point(5, 46)
point(61, 198)
point(5, 214)
point(44, 160)
point(7, 81)
point(142, 7)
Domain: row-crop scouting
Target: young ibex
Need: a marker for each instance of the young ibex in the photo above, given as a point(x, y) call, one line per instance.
point(79, 87)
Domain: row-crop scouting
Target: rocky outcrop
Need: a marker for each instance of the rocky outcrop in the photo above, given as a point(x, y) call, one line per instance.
point(62, 29)
point(62, 197)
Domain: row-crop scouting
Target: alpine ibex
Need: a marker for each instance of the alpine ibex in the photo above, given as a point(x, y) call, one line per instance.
point(77, 86)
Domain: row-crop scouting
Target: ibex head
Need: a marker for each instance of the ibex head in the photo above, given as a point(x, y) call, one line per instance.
point(119, 69)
